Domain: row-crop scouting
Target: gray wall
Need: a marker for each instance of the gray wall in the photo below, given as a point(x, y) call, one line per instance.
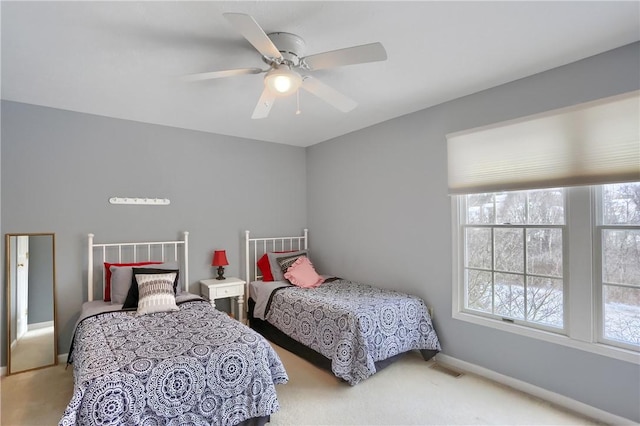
point(218, 186)
point(379, 212)
point(40, 279)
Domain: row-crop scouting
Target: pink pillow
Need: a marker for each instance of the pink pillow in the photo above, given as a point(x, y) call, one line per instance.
point(302, 274)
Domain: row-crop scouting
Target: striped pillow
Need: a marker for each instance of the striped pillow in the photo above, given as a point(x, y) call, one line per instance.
point(156, 293)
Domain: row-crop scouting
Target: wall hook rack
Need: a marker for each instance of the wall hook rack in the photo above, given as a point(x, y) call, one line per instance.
point(140, 200)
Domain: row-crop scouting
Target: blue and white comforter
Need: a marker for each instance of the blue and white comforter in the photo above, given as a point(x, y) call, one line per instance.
point(194, 366)
point(352, 324)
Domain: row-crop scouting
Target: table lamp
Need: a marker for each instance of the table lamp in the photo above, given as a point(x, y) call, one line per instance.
point(220, 260)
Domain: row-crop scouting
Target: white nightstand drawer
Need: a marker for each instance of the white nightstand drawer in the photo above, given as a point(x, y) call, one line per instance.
point(229, 291)
point(230, 287)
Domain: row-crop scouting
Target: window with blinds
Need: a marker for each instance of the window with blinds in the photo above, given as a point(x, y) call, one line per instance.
point(546, 225)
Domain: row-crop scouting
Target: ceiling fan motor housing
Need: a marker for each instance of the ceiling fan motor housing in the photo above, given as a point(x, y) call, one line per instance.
point(291, 46)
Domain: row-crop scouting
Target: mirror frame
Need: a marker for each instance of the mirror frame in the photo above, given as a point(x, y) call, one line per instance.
point(7, 264)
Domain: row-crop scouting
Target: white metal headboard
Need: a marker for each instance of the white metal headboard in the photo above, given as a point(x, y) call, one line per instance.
point(137, 252)
point(256, 247)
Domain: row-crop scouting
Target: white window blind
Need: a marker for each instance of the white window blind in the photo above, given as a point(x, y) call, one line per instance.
point(591, 143)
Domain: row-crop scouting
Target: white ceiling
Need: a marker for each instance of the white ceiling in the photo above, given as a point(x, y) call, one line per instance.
point(124, 59)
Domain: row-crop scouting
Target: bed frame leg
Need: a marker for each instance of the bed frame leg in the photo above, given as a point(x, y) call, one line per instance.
point(427, 354)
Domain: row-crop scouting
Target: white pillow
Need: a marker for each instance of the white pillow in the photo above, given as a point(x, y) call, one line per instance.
point(156, 293)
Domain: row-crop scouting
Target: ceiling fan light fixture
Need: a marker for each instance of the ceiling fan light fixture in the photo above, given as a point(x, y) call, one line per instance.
point(282, 81)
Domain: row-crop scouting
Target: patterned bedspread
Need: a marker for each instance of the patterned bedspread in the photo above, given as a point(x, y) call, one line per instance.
point(352, 324)
point(194, 366)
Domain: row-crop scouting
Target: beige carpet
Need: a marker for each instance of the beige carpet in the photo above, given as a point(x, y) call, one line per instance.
point(37, 397)
point(409, 392)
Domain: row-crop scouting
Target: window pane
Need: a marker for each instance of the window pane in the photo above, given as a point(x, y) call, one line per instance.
point(546, 207)
point(509, 249)
point(621, 256)
point(621, 204)
point(480, 209)
point(510, 207)
point(509, 295)
point(498, 237)
point(622, 314)
point(478, 248)
point(544, 251)
point(479, 290)
point(545, 301)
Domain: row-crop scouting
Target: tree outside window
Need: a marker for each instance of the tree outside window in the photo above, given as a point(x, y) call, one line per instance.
point(620, 257)
point(514, 255)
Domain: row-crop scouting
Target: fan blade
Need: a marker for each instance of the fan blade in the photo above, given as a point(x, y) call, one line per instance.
point(372, 52)
point(264, 105)
point(328, 94)
point(249, 28)
point(221, 74)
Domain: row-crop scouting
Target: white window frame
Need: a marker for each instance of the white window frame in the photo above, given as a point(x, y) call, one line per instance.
point(599, 227)
point(581, 310)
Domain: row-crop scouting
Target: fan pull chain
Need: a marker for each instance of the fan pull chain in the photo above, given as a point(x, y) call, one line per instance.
point(298, 112)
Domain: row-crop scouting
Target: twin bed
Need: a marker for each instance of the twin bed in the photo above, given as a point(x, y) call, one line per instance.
point(351, 329)
point(163, 356)
point(155, 365)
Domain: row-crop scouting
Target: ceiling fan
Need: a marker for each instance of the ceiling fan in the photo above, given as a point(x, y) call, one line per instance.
point(284, 53)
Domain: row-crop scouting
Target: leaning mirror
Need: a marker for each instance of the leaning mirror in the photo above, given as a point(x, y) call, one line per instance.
point(31, 307)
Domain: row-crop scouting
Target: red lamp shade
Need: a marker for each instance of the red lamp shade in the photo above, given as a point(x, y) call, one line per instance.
point(219, 258)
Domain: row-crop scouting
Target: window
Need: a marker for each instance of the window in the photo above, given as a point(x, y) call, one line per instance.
point(530, 258)
point(561, 265)
point(513, 256)
point(619, 264)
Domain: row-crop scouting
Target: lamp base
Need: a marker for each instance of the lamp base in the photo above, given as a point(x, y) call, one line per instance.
point(220, 273)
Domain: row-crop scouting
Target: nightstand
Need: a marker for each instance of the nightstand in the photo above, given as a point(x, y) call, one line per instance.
point(212, 289)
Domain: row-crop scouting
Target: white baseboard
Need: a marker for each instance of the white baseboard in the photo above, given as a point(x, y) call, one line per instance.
point(39, 325)
point(555, 398)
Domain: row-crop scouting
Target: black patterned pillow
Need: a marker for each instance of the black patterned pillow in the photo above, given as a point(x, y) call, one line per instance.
point(276, 269)
point(156, 293)
point(286, 261)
